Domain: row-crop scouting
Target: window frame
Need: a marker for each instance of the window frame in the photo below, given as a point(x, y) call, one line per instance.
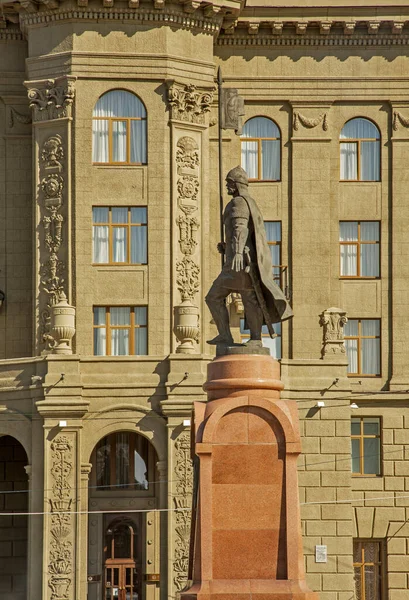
point(358, 142)
point(381, 564)
point(358, 244)
point(259, 150)
point(107, 326)
point(361, 437)
point(128, 120)
point(263, 335)
point(111, 226)
point(359, 337)
point(277, 278)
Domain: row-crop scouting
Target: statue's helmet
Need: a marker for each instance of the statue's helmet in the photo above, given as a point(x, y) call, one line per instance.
point(238, 175)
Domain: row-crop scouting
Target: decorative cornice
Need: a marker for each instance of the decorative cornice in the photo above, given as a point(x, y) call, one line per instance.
point(241, 39)
point(165, 15)
point(11, 34)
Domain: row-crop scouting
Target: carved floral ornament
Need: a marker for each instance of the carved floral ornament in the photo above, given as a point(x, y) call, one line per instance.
point(332, 320)
point(188, 103)
point(182, 501)
point(52, 98)
point(399, 118)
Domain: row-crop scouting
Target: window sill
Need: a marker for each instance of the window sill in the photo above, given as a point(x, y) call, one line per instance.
point(122, 268)
point(119, 166)
point(360, 181)
point(358, 278)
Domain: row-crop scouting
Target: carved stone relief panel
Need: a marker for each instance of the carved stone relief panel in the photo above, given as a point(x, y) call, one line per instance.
point(51, 98)
point(61, 521)
point(182, 502)
point(189, 103)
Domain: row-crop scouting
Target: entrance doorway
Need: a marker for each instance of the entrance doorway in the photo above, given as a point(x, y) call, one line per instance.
point(123, 560)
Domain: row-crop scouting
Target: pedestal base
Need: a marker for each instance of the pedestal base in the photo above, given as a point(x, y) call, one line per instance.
point(248, 589)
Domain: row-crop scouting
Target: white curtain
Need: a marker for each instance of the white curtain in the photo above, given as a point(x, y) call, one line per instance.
point(349, 161)
point(370, 252)
point(100, 240)
point(140, 471)
point(119, 235)
point(273, 234)
point(120, 337)
point(273, 343)
point(141, 333)
point(139, 236)
point(351, 329)
point(348, 232)
point(370, 360)
point(99, 332)
point(360, 129)
point(261, 127)
point(117, 104)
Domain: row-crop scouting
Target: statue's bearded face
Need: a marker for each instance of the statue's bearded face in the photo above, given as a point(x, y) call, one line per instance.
point(231, 186)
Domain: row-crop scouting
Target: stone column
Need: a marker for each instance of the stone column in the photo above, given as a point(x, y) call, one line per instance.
point(310, 227)
point(188, 120)
point(51, 101)
point(399, 247)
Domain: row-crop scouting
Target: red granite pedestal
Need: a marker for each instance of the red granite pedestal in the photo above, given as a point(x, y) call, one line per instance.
point(246, 536)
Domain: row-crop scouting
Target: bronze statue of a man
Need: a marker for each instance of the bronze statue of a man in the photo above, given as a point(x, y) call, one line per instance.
point(247, 267)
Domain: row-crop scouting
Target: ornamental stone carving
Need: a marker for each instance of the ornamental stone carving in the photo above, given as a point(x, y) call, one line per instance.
point(188, 227)
point(52, 270)
point(182, 503)
point(310, 123)
point(399, 118)
point(187, 278)
point(188, 103)
point(18, 117)
point(60, 564)
point(187, 153)
point(333, 320)
point(51, 98)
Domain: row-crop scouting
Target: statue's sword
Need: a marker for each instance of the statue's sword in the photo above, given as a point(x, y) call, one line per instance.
point(259, 292)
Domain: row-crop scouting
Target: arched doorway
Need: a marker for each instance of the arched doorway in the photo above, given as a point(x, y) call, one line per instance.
point(13, 529)
point(123, 556)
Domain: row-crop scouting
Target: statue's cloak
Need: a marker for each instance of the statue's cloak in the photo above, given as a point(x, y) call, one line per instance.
point(277, 304)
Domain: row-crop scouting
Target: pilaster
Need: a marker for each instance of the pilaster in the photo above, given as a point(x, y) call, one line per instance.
point(189, 106)
point(51, 102)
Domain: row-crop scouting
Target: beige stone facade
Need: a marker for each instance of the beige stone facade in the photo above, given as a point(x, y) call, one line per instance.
point(309, 70)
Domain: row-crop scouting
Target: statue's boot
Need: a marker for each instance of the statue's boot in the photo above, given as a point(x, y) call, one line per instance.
point(221, 339)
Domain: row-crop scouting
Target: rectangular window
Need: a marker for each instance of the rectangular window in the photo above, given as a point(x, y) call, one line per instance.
point(363, 346)
point(359, 249)
point(366, 445)
point(120, 330)
point(120, 235)
point(273, 343)
point(368, 569)
point(273, 235)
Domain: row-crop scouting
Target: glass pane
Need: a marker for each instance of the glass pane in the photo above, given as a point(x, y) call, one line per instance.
point(370, 231)
point(356, 468)
point(348, 256)
point(370, 161)
point(372, 462)
point(371, 552)
point(141, 341)
point(100, 130)
point(355, 426)
point(351, 327)
point(351, 347)
point(100, 244)
point(372, 583)
point(119, 141)
point(359, 129)
point(99, 315)
point(100, 335)
point(274, 344)
point(371, 426)
point(120, 315)
point(370, 327)
point(119, 103)
point(100, 214)
point(358, 583)
point(119, 342)
point(249, 159)
point(242, 329)
point(119, 244)
point(103, 464)
point(370, 360)
point(259, 127)
point(357, 550)
point(140, 468)
point(348, 231)
point(270, 160)
point(349, 161)
point(273, 231)
point(370, 260)
point(140, 315)
point(139, 245)
point(138, 215)
point(119, 215)
point(138, 142)
point(122, 458)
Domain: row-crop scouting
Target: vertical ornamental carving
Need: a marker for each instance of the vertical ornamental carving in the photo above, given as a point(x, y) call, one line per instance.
point(333, 320)
point(187, 269)
point(188, 103)
point(52, 269)
point(60, 566)
point(182, 503)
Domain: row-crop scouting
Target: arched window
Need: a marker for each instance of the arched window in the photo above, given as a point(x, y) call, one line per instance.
point(123, 461)
point(260, 149)
point(360, 149)
point(119, 129)
point(121, 540)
